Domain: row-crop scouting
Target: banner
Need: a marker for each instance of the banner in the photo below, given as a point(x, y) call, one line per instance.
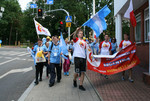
point(40, 29)
point(112, 64)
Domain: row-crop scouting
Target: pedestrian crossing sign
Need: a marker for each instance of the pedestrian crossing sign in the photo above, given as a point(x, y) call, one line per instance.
point(68, 18)
point(68, 24)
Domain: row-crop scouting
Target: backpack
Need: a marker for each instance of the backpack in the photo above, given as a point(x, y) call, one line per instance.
point(52, 46)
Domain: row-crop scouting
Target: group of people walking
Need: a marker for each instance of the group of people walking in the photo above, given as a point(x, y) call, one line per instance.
point(77, 56)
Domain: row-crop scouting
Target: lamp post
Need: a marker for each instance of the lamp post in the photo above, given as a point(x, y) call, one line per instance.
point(2, 9)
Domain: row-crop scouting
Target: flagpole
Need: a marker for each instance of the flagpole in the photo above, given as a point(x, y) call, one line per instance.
point(73, 33)
point(93, 13)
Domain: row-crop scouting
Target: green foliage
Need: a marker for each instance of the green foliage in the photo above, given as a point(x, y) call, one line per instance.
point(10, 23)
point(16, 21)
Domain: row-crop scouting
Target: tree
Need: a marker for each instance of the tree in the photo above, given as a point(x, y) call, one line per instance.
point(10, 23)
point(21, 22)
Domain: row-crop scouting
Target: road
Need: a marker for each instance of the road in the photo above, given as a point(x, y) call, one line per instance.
point(16, 73)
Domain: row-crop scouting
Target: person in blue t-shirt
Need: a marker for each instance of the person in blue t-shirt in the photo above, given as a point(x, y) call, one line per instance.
point(114, 46)
point(45, 51)
point(54, 61)
point(39, 65)
point(71, 49)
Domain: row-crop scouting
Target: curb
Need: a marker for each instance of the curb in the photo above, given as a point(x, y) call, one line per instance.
point(100, 98)
point(27, 91)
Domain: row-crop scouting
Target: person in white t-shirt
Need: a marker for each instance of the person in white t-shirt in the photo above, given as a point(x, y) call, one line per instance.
point(79, 57)
point(125, 43)
point(105, 48)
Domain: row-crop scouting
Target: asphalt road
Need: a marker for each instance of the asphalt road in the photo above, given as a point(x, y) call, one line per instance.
point(16, 73)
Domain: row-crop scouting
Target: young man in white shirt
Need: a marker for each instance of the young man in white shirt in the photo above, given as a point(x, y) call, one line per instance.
point(125, 43)
point(105, 48)
point(79, 57)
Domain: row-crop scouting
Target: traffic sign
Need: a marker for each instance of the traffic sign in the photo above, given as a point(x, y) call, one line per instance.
point(68, 18)
point(33, 5)
point(0, 41)
point(68, 24)
point(50, 2)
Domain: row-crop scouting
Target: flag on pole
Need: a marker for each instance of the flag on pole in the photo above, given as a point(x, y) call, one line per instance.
point(40, 29)
point(97, 22)
point(130, 14)
point(63, 45)
point(32, 54)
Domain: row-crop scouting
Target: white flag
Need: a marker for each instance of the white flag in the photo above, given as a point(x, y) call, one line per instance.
point(130, 14)
point(40, 29)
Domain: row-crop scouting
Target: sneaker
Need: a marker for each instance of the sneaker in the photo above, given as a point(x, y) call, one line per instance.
point(51, 84)
point(36, 82)
point(131, 80)
point(74, 83)
point(82, 88)
point(122, 78)
point(106, 76)
point(67, 73)
point(58, 81)
point(40, 79)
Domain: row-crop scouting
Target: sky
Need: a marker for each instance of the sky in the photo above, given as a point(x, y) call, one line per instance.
point(24, 3)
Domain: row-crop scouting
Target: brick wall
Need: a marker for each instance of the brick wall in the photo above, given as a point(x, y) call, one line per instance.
point(143, 54)
point(142, 48)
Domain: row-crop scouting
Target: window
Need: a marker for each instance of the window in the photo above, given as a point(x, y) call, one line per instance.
point(138, 29)
point(146, 24)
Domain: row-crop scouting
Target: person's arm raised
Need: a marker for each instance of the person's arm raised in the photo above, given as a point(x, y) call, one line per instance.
point(75, 33)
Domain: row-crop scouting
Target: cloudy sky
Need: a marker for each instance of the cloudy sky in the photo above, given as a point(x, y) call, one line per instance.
point(24, 3)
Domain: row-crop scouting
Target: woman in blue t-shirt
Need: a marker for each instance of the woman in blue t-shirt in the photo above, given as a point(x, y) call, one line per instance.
point(114, 46)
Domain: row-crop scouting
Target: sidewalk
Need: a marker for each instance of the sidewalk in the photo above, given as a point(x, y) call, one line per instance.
point(10, 46)
point(63, 91)
point(114, 89)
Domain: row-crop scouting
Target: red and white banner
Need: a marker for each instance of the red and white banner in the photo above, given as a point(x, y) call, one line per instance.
point(112, 64)
point(130, 14)
point(40, 29)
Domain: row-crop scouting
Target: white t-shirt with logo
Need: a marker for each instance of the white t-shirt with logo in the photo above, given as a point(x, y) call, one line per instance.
point(105, 48)
point(79, 48)
point(125, 44)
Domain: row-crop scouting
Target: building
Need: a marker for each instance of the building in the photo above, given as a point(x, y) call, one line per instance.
point(139, 34)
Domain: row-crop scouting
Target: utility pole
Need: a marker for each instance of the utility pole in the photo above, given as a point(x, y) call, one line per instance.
point(149, 38)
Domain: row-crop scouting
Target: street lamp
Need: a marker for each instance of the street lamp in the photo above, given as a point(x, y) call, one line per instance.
point(1, 15)
point(2, 9)
point(1, 12)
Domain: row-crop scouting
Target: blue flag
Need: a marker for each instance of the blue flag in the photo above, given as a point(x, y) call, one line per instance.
point(63, 45)
point(64, 56)
point(32, 54)
point(97, 22)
